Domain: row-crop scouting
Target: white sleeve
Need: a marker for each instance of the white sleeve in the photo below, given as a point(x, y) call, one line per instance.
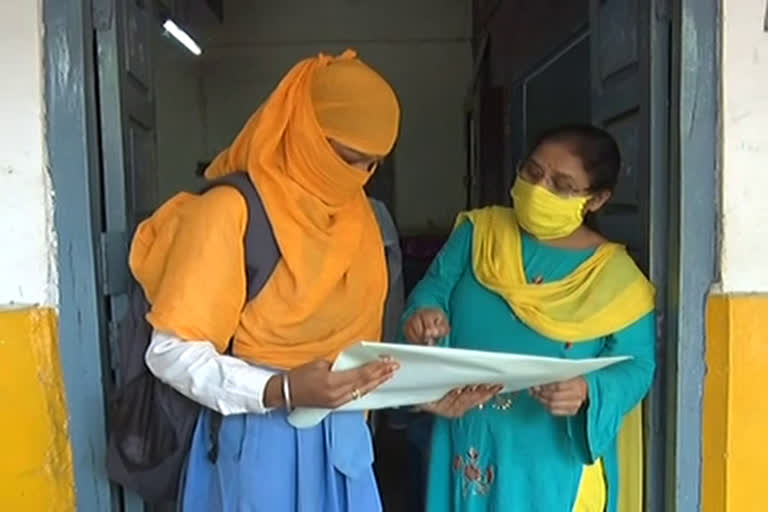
point(195, 369)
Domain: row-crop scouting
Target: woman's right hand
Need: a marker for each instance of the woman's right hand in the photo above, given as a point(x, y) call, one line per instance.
point(426, 326)
point(457, 402)
point(316, 385)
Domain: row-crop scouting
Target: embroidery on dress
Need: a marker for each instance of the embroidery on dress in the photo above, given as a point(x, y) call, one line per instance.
point(475, 479)
point(502, 402)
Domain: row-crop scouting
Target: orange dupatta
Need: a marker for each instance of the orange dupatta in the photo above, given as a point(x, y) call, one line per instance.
point(329, 288)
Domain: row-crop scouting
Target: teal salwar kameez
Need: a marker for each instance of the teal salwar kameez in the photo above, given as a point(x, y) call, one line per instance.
point(513, 454)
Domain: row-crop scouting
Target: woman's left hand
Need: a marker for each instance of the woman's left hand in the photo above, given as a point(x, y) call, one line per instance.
point(563, 398)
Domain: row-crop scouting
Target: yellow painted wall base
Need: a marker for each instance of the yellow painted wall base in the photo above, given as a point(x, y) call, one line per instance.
point(36, 471)
point(735, 404)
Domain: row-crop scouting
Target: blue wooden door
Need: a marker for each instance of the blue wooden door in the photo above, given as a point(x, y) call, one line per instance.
point(124, 32)
point(630, 97)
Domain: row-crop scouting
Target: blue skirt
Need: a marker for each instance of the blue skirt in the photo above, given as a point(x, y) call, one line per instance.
point(265, 464)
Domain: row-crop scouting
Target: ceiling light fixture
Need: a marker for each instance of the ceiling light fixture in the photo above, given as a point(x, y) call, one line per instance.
point(181, 36)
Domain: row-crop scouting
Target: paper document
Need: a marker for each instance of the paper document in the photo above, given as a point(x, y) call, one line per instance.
point(426, 374)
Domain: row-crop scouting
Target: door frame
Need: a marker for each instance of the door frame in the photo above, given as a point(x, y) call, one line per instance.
point(693, 237)
point(73, 158)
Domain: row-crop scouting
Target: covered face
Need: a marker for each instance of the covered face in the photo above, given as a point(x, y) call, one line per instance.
point(355, 106)
point(322, 99)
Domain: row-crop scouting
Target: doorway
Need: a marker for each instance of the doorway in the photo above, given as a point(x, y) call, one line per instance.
point(123, 177)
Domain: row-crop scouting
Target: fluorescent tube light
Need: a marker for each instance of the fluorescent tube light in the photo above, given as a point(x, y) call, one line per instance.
point(182, 37)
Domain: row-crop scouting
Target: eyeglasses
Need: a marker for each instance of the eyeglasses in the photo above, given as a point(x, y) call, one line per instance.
point(531, 172)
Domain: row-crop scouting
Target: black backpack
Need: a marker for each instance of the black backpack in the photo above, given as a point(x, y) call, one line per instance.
point(151, 424)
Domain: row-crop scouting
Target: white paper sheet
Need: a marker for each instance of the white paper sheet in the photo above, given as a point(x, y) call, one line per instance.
point(426, 374)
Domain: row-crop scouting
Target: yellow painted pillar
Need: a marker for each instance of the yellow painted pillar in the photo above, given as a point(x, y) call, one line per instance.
point(735, 404)
point(36, 472)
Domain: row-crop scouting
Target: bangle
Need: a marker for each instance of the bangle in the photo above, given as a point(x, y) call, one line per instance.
point(287, 392)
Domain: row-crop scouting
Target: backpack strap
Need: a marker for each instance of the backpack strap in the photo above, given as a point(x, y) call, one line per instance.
point(261, 256)
point(261, 250)
point(395, 304)
point(396, 297)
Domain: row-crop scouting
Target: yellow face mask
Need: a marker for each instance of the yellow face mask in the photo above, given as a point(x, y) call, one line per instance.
point(545, 215)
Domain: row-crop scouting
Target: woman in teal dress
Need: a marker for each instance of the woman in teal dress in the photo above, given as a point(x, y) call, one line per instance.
point(554, 448)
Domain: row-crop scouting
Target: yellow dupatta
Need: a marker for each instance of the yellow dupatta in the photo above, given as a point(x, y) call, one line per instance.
point(602, 296)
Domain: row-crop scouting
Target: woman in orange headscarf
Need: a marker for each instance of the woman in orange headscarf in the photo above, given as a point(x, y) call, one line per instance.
point(309, 150)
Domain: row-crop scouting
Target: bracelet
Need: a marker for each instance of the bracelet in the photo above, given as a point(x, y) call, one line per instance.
point(287, 392)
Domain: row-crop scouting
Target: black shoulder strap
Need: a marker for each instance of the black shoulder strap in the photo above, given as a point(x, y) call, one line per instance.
point(261, 256)
point(393, 308)
point(261, 250)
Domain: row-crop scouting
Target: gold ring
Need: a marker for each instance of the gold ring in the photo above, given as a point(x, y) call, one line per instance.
point(355, 394)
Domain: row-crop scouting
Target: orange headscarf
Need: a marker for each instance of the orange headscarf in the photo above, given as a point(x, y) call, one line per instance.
point(329, 288)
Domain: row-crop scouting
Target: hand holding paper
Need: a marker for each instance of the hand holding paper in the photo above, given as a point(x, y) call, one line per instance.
point(458, 401)
point(428, 373)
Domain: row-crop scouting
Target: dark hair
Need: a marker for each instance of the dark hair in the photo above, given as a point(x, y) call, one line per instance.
point(597, 149)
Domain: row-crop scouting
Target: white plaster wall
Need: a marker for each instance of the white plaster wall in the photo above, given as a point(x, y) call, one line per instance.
point(422, 48)
point(744, 258)
point(27, 238)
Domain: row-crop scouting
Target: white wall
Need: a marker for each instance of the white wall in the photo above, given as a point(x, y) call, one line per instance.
point(744, 258)
point(27, 238)
point(421, 47)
